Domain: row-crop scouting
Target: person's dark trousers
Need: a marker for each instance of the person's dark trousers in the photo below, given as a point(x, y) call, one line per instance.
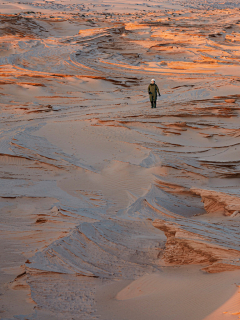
point(153, 104)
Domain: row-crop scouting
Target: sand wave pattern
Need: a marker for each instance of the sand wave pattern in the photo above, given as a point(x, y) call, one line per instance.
point(96, 187)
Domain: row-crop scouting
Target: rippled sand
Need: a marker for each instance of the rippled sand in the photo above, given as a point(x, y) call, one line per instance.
point(110, 209)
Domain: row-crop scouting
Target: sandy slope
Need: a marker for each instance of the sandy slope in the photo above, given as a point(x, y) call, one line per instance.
point(110, 209)
point(172, 294)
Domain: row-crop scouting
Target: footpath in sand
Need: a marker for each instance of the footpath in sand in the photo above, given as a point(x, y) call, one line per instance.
point(110, 209)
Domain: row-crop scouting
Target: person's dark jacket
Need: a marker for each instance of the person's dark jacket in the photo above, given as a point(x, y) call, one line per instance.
point(153, 91)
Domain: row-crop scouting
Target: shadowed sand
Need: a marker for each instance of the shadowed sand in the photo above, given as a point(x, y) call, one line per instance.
point(111, 209)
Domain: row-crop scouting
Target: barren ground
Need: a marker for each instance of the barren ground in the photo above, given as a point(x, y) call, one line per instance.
point(110, 209)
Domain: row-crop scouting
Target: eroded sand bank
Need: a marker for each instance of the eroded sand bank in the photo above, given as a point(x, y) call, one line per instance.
point(110, 209)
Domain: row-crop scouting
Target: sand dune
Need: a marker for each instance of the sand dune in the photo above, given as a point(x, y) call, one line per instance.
point(174, 294)
point(110, 209)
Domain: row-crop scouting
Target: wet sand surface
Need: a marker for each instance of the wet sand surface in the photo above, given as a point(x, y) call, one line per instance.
point(110, 209)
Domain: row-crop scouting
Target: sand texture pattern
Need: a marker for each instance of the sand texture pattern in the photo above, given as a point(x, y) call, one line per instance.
point(110, 209)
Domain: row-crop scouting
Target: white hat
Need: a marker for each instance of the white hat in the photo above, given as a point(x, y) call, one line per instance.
point(153, 80)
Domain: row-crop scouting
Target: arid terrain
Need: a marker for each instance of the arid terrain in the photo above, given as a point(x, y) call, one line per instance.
point(112, 210)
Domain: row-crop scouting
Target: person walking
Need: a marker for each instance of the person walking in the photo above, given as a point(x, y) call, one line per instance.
point(153, 90)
